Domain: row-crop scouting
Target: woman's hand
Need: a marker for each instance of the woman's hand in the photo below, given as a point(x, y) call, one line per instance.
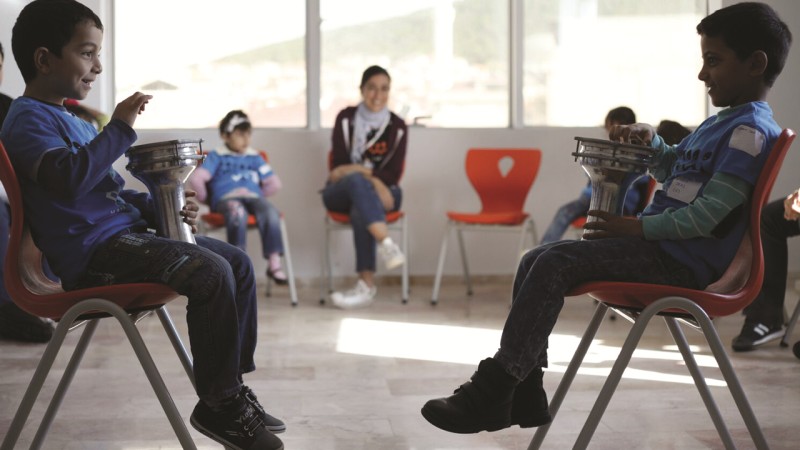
point(346, 169)
point(610, 225)
point(190, 209)
point(384, 194)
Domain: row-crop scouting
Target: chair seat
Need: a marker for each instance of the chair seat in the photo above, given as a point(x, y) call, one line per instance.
point(579, 222)
point(639, 295)
point(344, 219)
point(130, 297)
point(501, 218)
point(217, 220)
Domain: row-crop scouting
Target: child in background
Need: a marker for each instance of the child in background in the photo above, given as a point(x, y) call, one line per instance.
point(235, 181)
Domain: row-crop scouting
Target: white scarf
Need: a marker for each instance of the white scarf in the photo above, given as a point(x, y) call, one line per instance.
point(364, 122)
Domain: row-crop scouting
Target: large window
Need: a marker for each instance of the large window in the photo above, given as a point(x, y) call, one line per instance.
point(451, 60)
point(584, 57)
point(202, 59)
point(448, 58)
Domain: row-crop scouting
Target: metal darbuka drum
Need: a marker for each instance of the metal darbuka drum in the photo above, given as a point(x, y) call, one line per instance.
point(163, 167)
point(612, 168)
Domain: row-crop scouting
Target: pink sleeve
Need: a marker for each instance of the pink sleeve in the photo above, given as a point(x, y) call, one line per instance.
point(197, 182)
point(271, 185)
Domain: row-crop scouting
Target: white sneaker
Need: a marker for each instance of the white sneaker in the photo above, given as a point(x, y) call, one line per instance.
point(358, 297)
point(391, 254)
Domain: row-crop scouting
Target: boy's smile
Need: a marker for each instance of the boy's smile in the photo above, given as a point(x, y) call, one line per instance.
point(730, 80)
point(72, 74)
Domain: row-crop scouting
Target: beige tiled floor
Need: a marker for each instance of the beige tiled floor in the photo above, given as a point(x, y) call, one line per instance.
point(356, 380)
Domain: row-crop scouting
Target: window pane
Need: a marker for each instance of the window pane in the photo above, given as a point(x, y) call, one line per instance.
point(200, 60)
point(448, 58)
point(584, 57)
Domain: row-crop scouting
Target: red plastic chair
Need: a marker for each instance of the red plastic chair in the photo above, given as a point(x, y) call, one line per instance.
point(735, 290)
point(395, 221)
point(33, 292)
point(502, 199)
point(214, 220)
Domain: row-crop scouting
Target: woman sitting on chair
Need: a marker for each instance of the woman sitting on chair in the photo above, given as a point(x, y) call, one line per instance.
point(366, 162)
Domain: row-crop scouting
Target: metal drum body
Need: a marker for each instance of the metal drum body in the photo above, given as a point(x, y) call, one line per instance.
point(612, 168)
point(164, 167)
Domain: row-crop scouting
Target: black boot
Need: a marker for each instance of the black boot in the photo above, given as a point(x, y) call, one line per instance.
point(529, 407)
point(483, 403)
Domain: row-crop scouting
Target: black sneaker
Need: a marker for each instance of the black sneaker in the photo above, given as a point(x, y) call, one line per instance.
point(755, 334)
point(272, 424)
point(239, 428)
point(17, 325)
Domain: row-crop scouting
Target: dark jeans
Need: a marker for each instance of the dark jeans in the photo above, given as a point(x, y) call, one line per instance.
point(767, 308)
point(268, 221)
point(216, 277)
point(548, 272)
point(355, 195)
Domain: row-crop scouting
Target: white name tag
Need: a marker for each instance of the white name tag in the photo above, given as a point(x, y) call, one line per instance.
point(746, 139)
point(684, 190)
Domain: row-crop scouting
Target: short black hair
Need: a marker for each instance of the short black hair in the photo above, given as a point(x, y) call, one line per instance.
point(370, 72)
point(234, 120)
point(621, 115)
point(49, 24)
point(749, 27)
point(672, 132)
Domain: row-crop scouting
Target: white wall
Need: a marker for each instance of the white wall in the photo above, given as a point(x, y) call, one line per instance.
point(434, 179)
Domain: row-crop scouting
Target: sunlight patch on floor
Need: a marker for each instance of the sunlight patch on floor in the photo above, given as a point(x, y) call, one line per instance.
point(468, 345)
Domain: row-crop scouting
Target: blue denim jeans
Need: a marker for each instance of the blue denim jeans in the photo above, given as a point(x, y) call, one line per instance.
point(565, 215)
point(548, 272)
point(268, 221)
point(216, 277)
point(767, 308)
point(355, 195)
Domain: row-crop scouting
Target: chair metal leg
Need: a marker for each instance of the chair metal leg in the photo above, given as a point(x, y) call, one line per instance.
point(699, 381)
point(37, 381)
point(790, 326)
point(404, 225)
point(729, 374)
point(612, 381)
point(287, 256)
point(177, 343)
point(440, 266)
point(464, 263)
point(325, 265)
point(569, 374)
point(66, 379)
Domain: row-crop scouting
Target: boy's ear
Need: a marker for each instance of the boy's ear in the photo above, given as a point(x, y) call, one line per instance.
point(41, 59)
point(758, 62)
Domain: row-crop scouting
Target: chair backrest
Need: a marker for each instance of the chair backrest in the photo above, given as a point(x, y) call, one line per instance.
point(25, 278)
point(502, 177)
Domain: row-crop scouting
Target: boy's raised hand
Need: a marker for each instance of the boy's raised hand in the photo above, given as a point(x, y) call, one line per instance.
point(637, 133)
point(611, 225)
point(128, 109)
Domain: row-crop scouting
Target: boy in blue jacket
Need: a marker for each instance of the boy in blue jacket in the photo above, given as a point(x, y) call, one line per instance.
point(686, 237)
point(94, 232)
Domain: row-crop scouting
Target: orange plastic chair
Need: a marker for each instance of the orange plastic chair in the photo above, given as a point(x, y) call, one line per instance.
point(502, 197)
point(33, 292)
point(395, 221)
point(214, 220)
point(735, 290)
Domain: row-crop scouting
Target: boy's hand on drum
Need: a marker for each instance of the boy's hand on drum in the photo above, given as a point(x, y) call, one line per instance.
point(128, 109)
point(190, 209)
point(611, 225)
point(637, 133)
point(791, 206)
